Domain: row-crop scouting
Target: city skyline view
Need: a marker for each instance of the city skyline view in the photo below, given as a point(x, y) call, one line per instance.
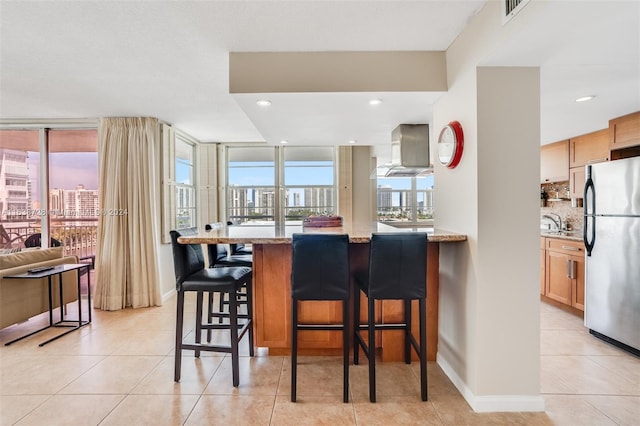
point(67, 170)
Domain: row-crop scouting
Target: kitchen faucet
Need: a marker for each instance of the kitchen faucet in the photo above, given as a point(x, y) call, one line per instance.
point(557, 220)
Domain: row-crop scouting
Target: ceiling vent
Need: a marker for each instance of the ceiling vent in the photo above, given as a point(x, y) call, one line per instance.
point(511, 7)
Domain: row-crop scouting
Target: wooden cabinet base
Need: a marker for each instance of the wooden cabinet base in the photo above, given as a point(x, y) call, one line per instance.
point(567, 308)
point(272, 303)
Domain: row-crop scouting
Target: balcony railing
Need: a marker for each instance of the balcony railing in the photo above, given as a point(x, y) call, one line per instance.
point(76, 239)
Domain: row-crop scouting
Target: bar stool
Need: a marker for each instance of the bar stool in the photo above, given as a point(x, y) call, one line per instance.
point(397, 270)
point(191, 275)
point(240, 248)
point(220, 258)
point(320, 271)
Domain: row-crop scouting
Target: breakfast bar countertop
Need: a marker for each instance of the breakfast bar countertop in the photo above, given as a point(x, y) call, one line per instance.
point(281, 234)
point(272, 270)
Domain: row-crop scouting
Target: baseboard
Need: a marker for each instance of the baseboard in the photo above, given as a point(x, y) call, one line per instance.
point(168, 295)
point(491, 403)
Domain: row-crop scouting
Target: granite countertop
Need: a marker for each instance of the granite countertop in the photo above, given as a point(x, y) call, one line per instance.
point(563, 235)
point(281, 234)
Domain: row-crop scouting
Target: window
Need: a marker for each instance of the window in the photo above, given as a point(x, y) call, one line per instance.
point(276, 184)
point(405, 199)
point(251, 189)
point(179, 171)
point(67, 209)
point(309, 182)
point(21, 210)
point(185, 188)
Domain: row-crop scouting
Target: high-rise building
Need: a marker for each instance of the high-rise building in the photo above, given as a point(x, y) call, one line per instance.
point(237, 203)
point(79, 202)
point(385, 199)
point(406, 199)
point(56, 202)
point(264, 201)
point(320, 199)
point(14, 188)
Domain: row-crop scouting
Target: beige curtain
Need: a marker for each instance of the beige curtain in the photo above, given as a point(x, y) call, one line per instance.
point(126, 257)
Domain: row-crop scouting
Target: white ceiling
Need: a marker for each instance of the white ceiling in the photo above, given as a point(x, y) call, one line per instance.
point(169, 59)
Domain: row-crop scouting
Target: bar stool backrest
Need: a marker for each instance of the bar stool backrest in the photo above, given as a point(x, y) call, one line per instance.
point(320, 266)
point(398, 265)
point(216, 252)
point(187, 258)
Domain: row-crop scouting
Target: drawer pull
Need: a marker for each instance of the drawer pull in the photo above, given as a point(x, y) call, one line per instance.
point(570, 269)
point(571, 248)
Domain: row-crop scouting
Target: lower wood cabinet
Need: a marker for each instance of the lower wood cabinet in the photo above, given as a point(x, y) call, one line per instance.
point(543, 260)
point(564, 272)
point(272, 307)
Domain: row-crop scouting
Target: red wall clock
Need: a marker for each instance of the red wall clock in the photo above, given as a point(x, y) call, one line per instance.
point(450, 144)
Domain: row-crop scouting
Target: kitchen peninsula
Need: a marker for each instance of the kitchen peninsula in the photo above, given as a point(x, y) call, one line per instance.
point(272, 268)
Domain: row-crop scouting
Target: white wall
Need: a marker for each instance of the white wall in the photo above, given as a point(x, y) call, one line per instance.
point(489, 285)
point(364, 189)
point(508, 233)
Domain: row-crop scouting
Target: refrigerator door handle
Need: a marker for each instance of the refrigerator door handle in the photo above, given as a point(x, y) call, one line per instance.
point(589, 227)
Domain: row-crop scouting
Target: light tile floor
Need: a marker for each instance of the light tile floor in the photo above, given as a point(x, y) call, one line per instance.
point(119, 371)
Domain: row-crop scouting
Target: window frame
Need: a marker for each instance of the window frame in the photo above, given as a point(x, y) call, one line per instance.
point(43, 126)
point(169, 136)
point(280, 189)
point(413, 214)
point(191, 187)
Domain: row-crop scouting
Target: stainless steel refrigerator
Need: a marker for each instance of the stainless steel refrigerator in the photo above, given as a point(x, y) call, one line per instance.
point(612, 242)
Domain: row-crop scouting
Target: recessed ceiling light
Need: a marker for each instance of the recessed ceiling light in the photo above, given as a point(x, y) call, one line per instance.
point(585, 98)
point(263, 102)
point(375, 101)
point(353, 141)
point(284, 142)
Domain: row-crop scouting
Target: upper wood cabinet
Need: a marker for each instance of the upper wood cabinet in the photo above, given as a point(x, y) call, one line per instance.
point(624, 131)
point(554, 162)
point(589, 148)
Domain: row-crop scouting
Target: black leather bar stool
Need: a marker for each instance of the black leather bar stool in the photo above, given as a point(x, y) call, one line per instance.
point(220, 258)
point(320, 271)
point(191, 275)
point(397, 270)
point(240, 248)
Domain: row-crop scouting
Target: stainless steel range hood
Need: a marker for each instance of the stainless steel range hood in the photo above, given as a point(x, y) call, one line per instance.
point(409, 153)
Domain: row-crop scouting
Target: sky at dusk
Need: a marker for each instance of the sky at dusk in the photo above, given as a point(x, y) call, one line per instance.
point(67, 170)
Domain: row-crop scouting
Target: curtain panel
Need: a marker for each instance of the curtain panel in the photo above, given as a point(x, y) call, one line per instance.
point(127, 268)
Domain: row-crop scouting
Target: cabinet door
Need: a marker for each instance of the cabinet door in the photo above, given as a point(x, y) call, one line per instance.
point(554, 162)
point(589, 148)
point(542, 271)
point(577, 283)
point(576, 182)
point(624, 131)
point(558, 286)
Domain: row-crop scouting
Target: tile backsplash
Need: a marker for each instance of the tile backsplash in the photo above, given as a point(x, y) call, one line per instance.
point(559, 203)
point(573, 216)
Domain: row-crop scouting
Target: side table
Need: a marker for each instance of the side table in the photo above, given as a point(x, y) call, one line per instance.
point(58, 270)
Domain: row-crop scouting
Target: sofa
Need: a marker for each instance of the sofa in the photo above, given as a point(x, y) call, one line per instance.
point(22, 299)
